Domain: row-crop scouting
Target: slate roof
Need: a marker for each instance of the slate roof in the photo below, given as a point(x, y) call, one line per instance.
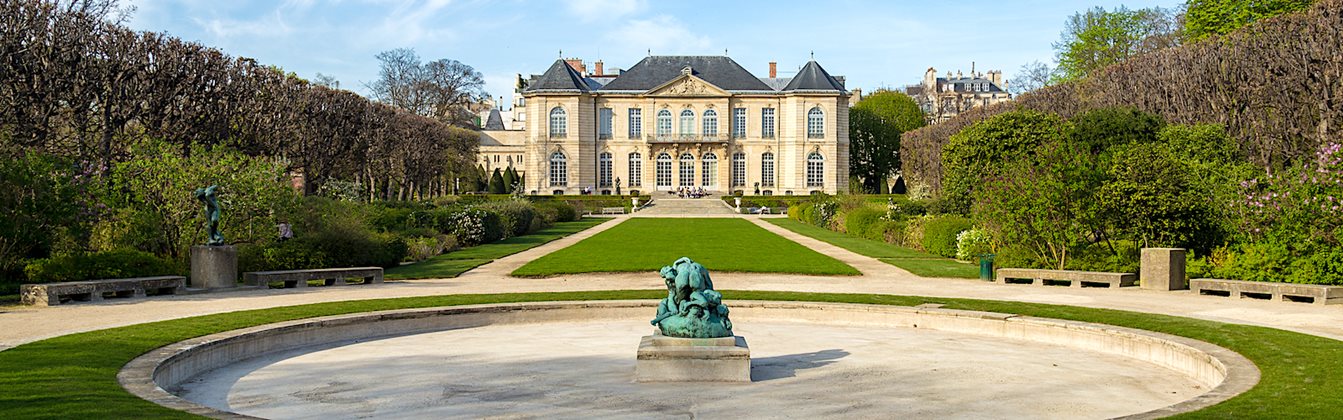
point(559, 78)
point(495, 120)
point(721, 71)
point(813, 77)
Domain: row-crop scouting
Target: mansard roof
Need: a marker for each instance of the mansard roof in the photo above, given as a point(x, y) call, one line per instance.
point(653, 71)
point(813, 78)
point(494, 121)
point(560, 77)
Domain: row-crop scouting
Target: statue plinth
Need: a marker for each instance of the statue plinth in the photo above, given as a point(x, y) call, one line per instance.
point(674, 359)
point(214, 267)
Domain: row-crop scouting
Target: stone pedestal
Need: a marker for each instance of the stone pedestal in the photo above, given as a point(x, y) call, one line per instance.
point(672, 359)
point(214, 267)
point(1163, 269)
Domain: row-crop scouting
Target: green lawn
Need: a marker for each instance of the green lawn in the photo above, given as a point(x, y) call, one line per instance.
point(646, 245)
point(74, 376)
point(918, 262)
point(457, 262)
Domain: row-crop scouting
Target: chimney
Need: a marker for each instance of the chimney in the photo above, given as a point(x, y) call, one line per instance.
point(972, 69)
point(773, 70)
point(577, 65)
point(598, 66)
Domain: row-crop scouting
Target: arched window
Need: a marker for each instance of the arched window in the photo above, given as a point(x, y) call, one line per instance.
point(767, 169)
point(604, 169)
point(687, 122)
point(687, 168)
point(559, 122)
point(636, 169)
point(664, 170)
point(709, 175)
point(664, 123)
point(815, 169)
point(738, 169)
point(710, 123)
point(815, 123)
point(559, 169)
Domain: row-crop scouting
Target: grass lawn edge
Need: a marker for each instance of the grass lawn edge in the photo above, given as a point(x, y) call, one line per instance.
point(550, 234)
point(75, 375)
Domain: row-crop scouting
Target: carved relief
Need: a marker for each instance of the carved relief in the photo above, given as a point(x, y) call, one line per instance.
point(686, 87)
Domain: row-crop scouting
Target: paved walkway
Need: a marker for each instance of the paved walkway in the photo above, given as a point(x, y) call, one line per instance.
point(22, 324)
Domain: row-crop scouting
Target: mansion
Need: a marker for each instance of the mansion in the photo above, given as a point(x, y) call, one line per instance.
point(943, 98)
point(671, 122)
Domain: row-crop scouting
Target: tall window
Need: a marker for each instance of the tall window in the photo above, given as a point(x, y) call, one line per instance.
point(767, 123)
point(636, 169)
point(739, 123)
point(604, 117)
point(815, 169)
point(710, 123)
point(559, 169)
point(664, 176)
point(636, 122)
point(687, 122)
point(767, 169)
point(709, 175)
point(687, 170)
point(559, 122)
point(604, 169)
point(664, 123)
point(738, 169)
point(815, 123)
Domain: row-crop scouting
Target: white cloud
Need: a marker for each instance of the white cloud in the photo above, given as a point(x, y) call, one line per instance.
point(663, 34)
point(595, 10)
point(273, 24)
point(411, 22)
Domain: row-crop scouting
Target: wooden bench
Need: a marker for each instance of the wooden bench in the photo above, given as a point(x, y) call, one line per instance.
point(1065, 278)
point(1288, 292)
point(299, 278)
point(96, 290)
point(613, 210)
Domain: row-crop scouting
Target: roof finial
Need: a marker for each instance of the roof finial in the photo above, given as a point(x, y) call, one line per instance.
point(561, 53)
point(813, 55)
point(650, 52)
point(725, 51)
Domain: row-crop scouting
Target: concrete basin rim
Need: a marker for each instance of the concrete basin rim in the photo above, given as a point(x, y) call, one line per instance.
point(140, 377)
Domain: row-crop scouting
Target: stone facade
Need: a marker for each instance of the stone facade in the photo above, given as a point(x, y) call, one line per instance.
point(943, 98)
point(657, 130)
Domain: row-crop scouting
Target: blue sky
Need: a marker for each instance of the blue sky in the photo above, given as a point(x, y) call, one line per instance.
point(872, 43)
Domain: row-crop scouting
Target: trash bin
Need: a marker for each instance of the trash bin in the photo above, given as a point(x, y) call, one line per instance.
point(986, 267)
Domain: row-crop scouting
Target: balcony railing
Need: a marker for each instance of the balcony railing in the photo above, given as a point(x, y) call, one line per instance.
point(684, 138)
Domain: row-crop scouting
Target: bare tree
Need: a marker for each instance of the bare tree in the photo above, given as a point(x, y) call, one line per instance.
point(326, 81)
point(441, 89)
point(1032, 76)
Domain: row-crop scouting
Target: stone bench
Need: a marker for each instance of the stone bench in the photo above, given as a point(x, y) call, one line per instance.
point(1065, 278)
point(299, 278)
point(49, 294)
point(1290, 292)
point(613, 210)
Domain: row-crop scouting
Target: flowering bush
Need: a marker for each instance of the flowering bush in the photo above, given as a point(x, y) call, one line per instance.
point(467, 225)
point(971, 243)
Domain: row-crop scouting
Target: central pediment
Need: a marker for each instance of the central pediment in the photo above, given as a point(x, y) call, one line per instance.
point(686, 85)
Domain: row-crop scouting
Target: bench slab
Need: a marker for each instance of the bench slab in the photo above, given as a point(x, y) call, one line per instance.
point(1041, 277)
point(299, 278)
point(613, 210)
point(1290, 292)
point(49, 294)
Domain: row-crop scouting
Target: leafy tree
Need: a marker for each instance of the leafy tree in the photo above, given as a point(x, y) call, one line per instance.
point(1102, 128)
point(1097, 38)
point(875, 126)
point(496, 184)
point(1152, 196)
point(1205, 18)
point(37, 197)
point(510, 179)
point(992, 143)
point(1040, 202)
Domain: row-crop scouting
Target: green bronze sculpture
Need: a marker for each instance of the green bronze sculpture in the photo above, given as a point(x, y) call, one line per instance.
point(692, 308)
point(207, 195)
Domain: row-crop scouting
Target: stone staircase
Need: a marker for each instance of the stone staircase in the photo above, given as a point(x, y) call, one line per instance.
point(686, 207)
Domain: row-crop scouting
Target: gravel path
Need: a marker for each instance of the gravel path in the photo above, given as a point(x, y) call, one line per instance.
point(20, 325)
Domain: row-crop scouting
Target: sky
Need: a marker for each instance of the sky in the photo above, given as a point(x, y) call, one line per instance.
point(874, 44)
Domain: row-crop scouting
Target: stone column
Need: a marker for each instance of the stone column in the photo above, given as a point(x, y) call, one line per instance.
point(1163, 269)
point(214, 267)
